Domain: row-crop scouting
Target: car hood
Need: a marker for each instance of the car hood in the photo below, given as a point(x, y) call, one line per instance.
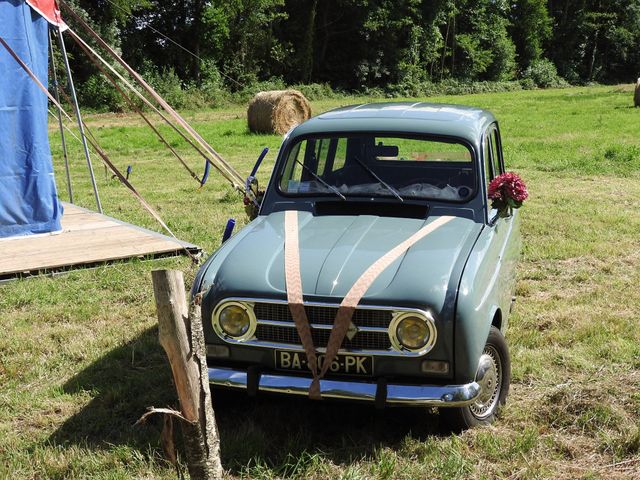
point(336, 250)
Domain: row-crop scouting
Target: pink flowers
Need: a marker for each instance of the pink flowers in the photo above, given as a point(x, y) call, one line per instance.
point(507, 191)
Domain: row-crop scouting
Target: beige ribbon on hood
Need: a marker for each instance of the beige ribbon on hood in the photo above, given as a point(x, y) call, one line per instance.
point(295, 298)
point(348, 304)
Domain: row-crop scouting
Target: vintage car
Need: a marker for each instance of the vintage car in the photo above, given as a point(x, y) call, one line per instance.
point(376, 217)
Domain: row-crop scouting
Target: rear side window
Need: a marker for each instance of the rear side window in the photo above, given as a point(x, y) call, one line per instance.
point(493, 162)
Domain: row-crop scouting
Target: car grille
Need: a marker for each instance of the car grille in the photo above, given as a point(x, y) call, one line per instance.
point(365, 317)
point(319, 315)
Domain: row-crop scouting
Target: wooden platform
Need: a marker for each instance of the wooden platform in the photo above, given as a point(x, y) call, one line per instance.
point(87, 239)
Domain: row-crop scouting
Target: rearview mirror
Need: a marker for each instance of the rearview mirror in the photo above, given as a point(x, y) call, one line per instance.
point(385, 151)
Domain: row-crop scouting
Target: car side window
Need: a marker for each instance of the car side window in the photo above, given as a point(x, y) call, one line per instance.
point(496, 160)
point(488, 168)
point(493, 165)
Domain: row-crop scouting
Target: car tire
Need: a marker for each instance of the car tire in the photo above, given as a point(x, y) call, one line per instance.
point(495, 369)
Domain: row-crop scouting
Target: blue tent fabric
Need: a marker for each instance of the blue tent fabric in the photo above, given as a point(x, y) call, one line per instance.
point(28, 197)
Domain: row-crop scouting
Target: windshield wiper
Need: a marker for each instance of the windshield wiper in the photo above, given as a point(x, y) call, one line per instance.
point(373, 174)
point(330, 187)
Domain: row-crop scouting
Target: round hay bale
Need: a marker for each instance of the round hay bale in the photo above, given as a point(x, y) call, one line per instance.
point(277, 111)
point(636, 96)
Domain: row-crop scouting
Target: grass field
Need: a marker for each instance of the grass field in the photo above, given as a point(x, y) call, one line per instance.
point(79, 359)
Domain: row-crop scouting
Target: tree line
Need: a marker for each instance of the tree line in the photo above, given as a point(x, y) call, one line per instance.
point(356, 45)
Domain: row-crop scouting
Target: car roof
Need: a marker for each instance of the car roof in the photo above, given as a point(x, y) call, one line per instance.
point(402, 117)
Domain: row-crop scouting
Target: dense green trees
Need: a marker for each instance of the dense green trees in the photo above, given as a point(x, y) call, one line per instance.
point(596, 39)
point(358, 44)
point(530, 28)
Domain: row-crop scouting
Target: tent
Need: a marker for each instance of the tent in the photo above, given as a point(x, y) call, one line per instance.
point(28, 198)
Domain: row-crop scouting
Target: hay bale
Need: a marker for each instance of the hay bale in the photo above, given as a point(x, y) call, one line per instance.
point(636, 96)
point(277, 111)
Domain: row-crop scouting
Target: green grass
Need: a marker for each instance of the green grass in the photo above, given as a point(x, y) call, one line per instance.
point(79, 359)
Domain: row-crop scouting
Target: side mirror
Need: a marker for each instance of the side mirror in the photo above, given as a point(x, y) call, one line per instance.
point(253, 195)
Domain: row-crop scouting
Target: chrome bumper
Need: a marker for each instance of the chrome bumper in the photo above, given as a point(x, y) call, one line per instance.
point(416, 395)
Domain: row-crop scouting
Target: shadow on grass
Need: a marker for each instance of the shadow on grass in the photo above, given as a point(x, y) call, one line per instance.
point(268, 430)
point(280, 432)
point(122, 384)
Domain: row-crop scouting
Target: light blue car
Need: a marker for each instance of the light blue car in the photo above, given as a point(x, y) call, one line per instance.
point(376, 243)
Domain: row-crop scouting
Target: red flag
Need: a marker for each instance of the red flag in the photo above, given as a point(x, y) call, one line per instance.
point(49, 10)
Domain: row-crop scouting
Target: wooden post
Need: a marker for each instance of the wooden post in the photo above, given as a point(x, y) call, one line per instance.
point(181, 336)
point(636, 96)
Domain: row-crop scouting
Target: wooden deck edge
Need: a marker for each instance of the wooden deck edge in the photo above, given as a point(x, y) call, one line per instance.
point(55, 271)
point(181, 248)
point(136, 227)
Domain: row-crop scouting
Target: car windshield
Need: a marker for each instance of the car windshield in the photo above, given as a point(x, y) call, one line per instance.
point(379, 166)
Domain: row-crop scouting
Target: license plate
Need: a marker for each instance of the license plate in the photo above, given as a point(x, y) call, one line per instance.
point(343, 363)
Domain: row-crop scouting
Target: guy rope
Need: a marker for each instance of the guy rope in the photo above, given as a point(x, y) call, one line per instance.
point(215, 158)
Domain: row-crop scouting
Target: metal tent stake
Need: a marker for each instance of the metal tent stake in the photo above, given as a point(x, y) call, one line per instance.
point(79, 118)
point(62, 139)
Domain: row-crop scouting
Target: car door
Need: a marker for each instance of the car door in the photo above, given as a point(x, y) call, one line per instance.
point(503, 232)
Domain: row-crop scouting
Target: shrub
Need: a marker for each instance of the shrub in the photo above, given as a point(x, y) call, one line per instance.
point(316, 91)
point(97, 93)
point(449, 87)
point(209, 93)
point(412, 89)
point(168, 85)
point(375, 92)
point(503, 66)
point(250, 89)
point(211, 85)
point(544, 74)
point(312, 91)
point(528, 84)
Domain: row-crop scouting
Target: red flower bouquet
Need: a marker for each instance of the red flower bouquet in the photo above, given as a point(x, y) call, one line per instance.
point(507, 191)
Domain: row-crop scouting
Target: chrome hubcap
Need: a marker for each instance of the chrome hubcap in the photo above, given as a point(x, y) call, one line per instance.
point(489, 377)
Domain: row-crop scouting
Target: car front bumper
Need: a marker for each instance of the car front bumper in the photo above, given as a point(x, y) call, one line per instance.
point(378, 392)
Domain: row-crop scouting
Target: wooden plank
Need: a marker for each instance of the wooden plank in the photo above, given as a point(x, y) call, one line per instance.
point(87, 238)
point(70, 209)
point(44, 262)
point(89, 252)
point(67, 243)
point(82, 247)
point(86, 221)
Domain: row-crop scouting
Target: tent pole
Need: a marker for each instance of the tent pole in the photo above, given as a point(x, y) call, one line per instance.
point(62, 139)
point(79, 119)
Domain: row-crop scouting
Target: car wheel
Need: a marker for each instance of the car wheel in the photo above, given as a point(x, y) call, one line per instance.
point(494, 377)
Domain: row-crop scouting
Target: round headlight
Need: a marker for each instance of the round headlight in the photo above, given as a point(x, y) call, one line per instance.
point(235, 320)
point(413, 331)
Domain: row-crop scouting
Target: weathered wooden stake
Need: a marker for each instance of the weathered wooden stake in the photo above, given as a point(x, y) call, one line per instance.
point(181, 336)
point(636, 96)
